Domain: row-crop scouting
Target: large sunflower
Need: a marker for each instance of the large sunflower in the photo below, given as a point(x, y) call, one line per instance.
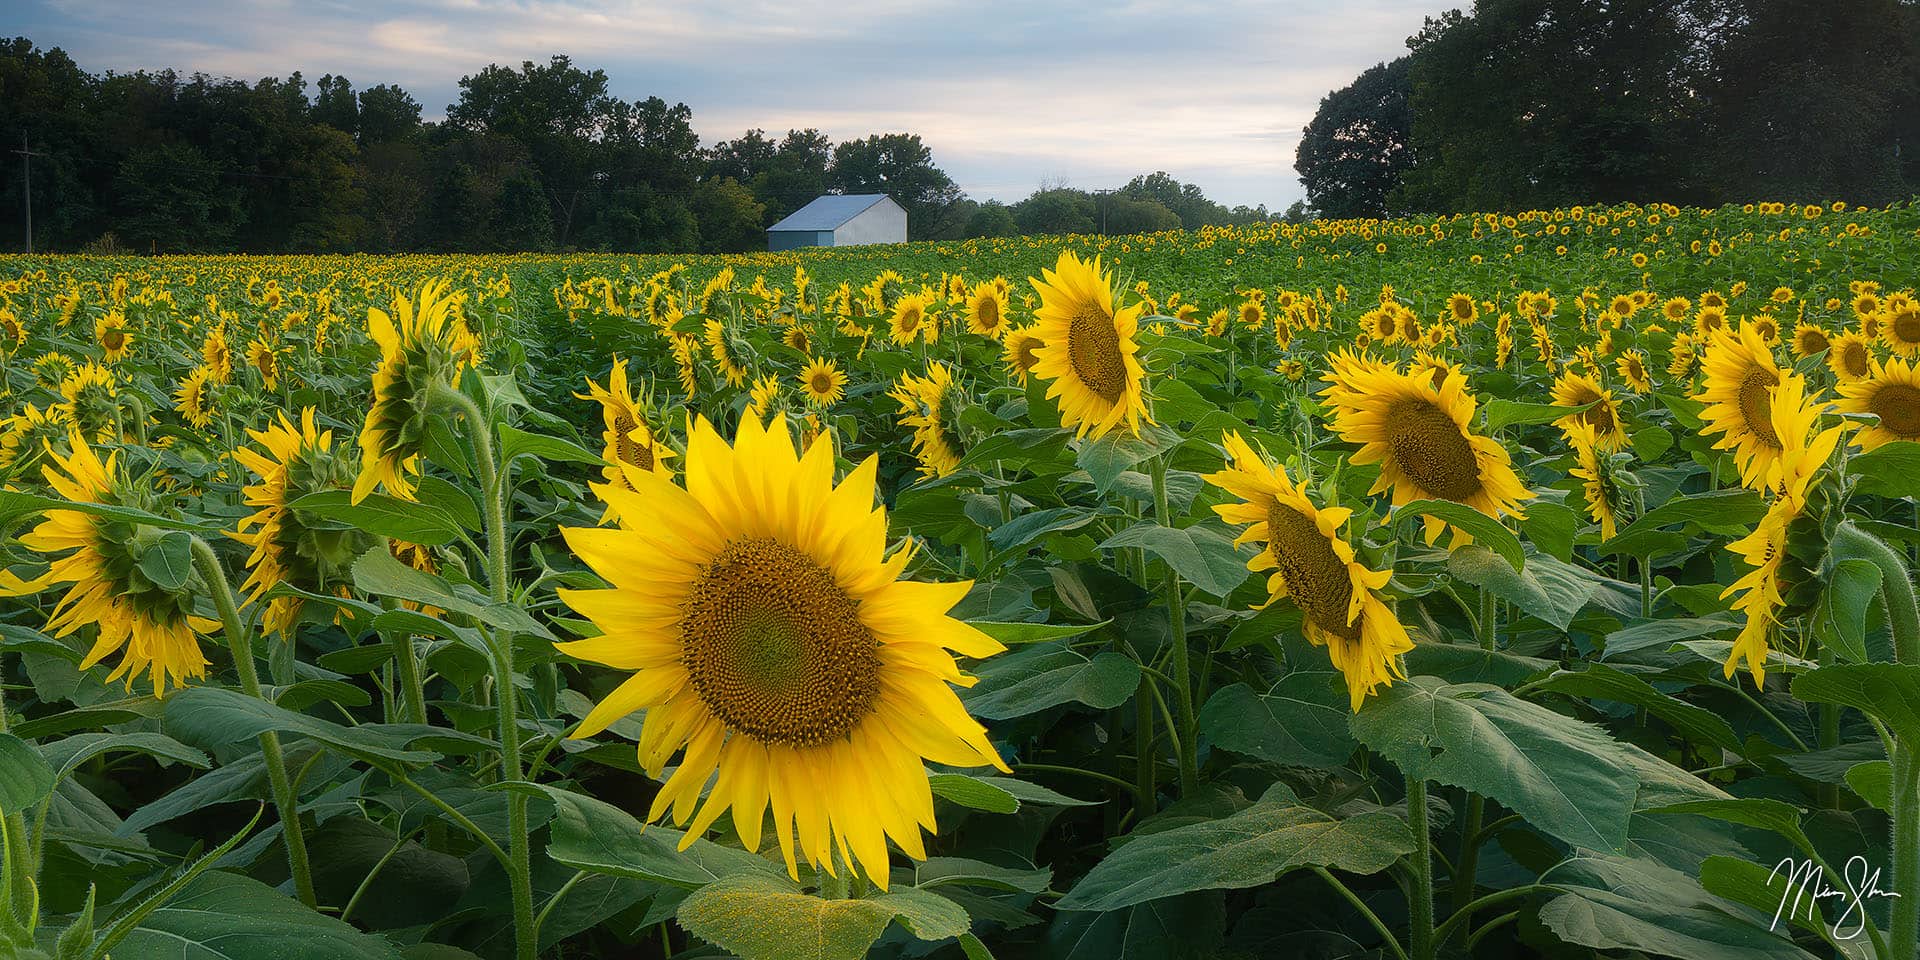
point(823, 382)
point(1315, 567)
point(1087, 348)
point(1740, 377)
point(987, 311)
point(1849, 357)
point(150, 626)
point(771, 638)
point(1602, 413)
point(1420, 436)
point(1891, 391)
point(425, 340)
point(287, 546)
point(1900, 326)
point(116, 341)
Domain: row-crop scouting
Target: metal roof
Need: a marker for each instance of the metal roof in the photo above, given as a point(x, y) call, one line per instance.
point(829, 212)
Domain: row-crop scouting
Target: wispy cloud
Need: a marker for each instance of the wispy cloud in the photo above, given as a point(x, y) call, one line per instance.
point(1007, 93)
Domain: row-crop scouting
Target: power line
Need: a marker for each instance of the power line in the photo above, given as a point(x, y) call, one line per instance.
point(26, 171)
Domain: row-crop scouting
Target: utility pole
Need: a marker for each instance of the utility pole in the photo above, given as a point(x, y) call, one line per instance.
point(26, 171)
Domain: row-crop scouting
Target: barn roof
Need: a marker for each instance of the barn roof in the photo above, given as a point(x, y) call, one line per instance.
point(829, 212)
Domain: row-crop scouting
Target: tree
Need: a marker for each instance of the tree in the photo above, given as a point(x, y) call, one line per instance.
point(1061, 210)
point(1186, 200)
point(387, 113)
point(729, 217)
point(900, 166)
point(556, 110)
point(992, 219)
point(1126, 215)
point(168, 201)
point(1354, 152)
point(336, 106)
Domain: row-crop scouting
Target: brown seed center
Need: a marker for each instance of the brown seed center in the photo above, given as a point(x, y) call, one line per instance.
point(1756, 405)
point(1093, 350)
point(1432, 450)
point(1315, 576)
point(1898, 407)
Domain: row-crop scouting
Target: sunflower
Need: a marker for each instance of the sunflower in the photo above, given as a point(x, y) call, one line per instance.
point(910, 320)
point(926, 407)
point(1900, 326)
point(194, 399)
point(26, 434)
point(150, 626)
point(287, 546)
point(13, 333)
point(1315, 567)
point(1436, 367)
point(1890, 392)
point(1420, 437)
point(987, 311)
point(115, 340)
point(771, 638)
point(626, 440)
point(1462, 308)
point(266, 362)
point(685, 350)
point(92, 395)
point(216, 356)
point(1020, 353)
point(1604, 500)
point(424, 341)
point(1810, 339)
point(1253, 314)
point(720, 348)
point(1850, 358)
point(765, 396)
point(1088, 349)
point(1573, 389)
point(1632, 367)
point(1709, 321)
point(823, 382)
point(1740, 377)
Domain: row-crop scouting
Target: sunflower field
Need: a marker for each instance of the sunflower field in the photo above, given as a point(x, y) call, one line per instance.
point(1532, 585)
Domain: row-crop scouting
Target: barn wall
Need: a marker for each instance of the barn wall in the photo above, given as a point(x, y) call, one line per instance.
point(884, 222)
point(793, 239)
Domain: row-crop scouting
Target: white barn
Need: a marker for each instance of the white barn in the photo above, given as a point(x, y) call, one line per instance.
point(841, 220)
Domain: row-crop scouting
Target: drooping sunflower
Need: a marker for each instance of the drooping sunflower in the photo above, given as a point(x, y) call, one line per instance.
point(1604, 500)
point(425, 340)
point(1088, 352)
point(216, 356)
point(987, 311)
point(720, 348)
point(13, 333)
point(1740, 378)
point(823, 382)
point(92, 401)
point(266, 362)
point(194, 399)
point(626, 439)
point(1810, 339)
point(773, 640)
point(926, 406)
point(152, 627)
point(287, 546)
point(26, 434)
point(1891, 391)
point(1315, 567)
point(1422, 439)
point(1849, 357)
point(1632, 367)
point(1572, 389)
point(1019, 353)
point(115, 340)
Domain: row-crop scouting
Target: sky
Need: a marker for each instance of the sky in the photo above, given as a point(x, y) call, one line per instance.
point(1007, 94)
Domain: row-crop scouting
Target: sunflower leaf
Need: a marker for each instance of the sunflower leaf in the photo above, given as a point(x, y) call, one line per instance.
point(767, 918)
point(1485, 530)
point(25, 776)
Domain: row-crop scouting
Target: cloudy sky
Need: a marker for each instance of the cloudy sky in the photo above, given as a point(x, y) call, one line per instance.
point(1008, 94)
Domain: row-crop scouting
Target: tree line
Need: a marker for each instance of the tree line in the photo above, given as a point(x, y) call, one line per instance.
point(1522, 104)
point(534, 158)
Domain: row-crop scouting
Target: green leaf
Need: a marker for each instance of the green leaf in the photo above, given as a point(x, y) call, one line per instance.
point(168, 561)
point(377, 572)
point(1108, 457)
point(1852, 585)
point(1036, 794)
point(515, 442)
point(1763, 812)
point(764, 918)
point(1485, 530)
point(1506, 413)
point(1546, 588)
point(1873, 782)
point(957, 871)
point(1551, 527)
point(1035, 678)
point(1892, 470)
point(972, 792)
point(223, 916)
point(1014, 634)
point(1723, 512)
point(383, 516)
point(1565, 777)
point(1888, 691)
point(1654, 633)
point(1203, 557)
point(1760, 886)
point(1302, 721)
point(15, 504)
point(213, 717)
point(1247, 849)
point(587, 834)
point(1599, 681)
point(69, 754)
point(1636, 905)
point(25, 777)
point(1650, 443)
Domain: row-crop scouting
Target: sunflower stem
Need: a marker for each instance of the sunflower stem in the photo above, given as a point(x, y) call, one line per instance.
point(1896, 593)
point(17, 867)
point(1177, 618)
point(500, 643)
point(1420, 896)
point(285, 801)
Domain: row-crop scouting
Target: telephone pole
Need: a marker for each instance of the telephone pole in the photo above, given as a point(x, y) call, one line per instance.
point(26, 171)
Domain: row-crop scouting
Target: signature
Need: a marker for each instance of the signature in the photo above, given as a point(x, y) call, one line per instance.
point(1807, 883)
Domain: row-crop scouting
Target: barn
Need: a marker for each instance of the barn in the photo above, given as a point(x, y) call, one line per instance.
point(841, 220)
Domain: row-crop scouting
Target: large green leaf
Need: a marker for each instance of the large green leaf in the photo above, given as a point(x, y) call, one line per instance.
point(1035, 678)
point(1485, 530)
point(1202, 556)
point(1654, 633)
point(1546, 588)
point(223, 916)
point(1725, 512)
point(588, 834)
point(377, 572)
point(1888, 691)
point(1638, 905)
point(384, 516)
point(1247, 849)
point(1599, 681)
point(15, 504)
point(213, 717)
point(1015, 634)
point(1302, 721)
point(1892, 470)
point(25, 776)
point(1565, 777)
point(768, 918)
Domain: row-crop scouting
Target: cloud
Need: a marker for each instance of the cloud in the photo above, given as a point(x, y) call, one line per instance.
point(1006, 92)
